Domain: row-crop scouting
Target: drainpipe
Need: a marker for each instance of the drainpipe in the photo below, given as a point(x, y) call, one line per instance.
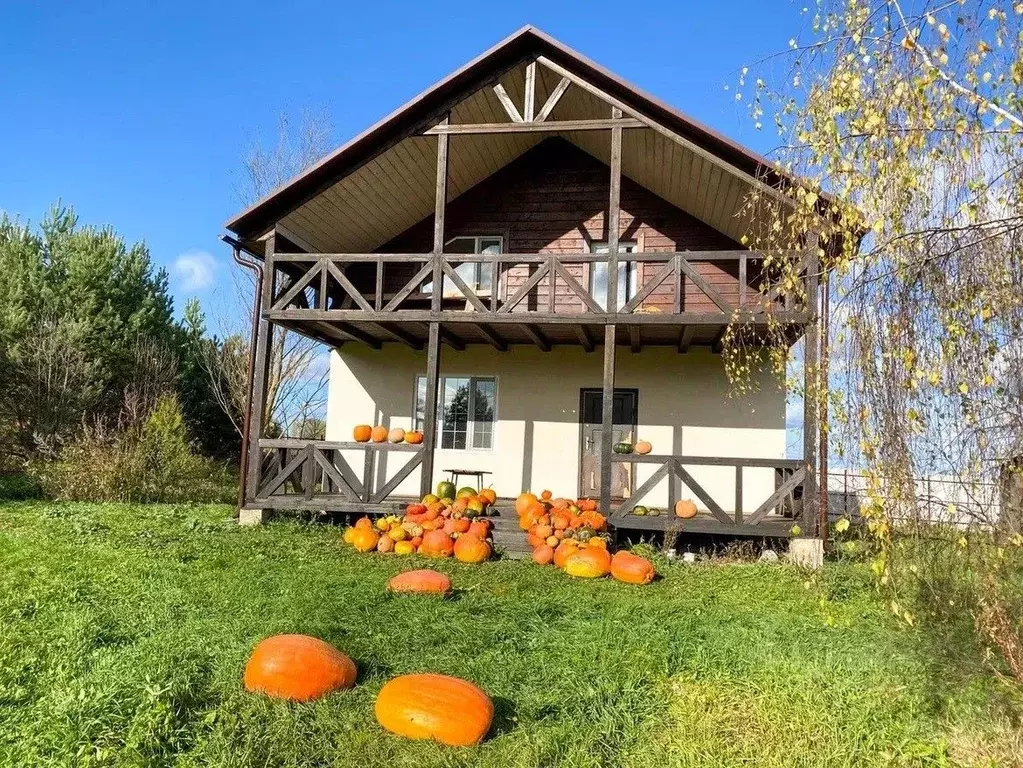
point(257, 269)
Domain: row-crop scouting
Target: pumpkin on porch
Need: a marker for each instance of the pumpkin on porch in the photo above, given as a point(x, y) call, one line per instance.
point(523, 502)
point(588, 563)
point(622, 448)
point(396, 435)
point(362, 433)
point(414, 437)
point(643, 447)
point(378, 434)
point(631, 569)
point(435, 707)
point(437, 544)
point(471, 549)
point(424, 580)
point(685, 508)
point(298, 668)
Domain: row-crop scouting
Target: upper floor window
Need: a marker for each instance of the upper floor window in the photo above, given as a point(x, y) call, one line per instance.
point(627, 275)
point(475, 274)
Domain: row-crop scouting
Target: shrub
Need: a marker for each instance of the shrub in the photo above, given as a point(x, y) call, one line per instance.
point(151, 463)
point(19, 487)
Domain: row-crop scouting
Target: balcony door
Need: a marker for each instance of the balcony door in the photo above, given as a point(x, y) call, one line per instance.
point(624, 418)
point(627, 275)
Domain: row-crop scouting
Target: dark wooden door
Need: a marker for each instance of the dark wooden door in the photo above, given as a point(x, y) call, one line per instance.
point(625, 416)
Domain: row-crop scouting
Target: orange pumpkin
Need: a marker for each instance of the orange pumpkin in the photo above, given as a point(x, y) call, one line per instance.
point(490, 495)
point(588, 563)
point(379, 434)
point(561, 520)
point(385, 544)
point(563, 552)
point(543, 555)
point(437, 544)
point(471, 549)
point(523, 501)
point(535, 541)
point(685, 508)
point(396, 435)
point(425, 581)
point(362, 433)
point(298, 668)
point(365, 539)
point(631, 569)
point(480, 528)
point(437, 707)
point(414, 438)
point(560, 503)
point(643, 447)
point(587, 505)
point(364, 522)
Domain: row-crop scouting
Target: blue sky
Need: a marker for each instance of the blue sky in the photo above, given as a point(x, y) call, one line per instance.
point(140, 114)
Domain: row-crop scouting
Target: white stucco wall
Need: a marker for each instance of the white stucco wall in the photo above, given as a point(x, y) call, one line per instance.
point(684, 408)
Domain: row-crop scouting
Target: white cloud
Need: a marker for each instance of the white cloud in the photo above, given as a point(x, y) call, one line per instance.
point(195, 270)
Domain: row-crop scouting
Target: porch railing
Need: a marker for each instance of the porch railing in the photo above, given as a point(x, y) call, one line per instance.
point(667, 284)
point(790, 475)
point(295, 470)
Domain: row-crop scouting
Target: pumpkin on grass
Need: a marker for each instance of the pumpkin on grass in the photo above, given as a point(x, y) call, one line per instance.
point(563, 552)
point(437, 544)
point(471, 549)
point(298, 668)
point(423, 581)
point(588, 563)
point(436, 707)
point(362, 433)
point(365, 539)
point(631, 569)
point(543, 555)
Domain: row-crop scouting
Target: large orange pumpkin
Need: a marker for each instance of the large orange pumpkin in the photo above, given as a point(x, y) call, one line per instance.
point(588, 563)
point(471, 549)
point(298, 668)
point(631, 568)
point(437, 707)
point(685, 508)
point(379, 434)
point(543, 555)
point(523, 501)
point(480, 528)
point(437, 544)
point(365, 539)
point(424, 581)
point(362, 433)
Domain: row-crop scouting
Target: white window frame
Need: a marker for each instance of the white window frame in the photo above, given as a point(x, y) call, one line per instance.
point(631, 272)
point(450, 291)
point(470, 431)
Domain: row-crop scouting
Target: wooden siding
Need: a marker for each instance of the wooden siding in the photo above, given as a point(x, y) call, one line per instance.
point(554, 199)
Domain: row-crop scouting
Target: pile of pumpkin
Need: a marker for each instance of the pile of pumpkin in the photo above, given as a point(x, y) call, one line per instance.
point(449, 523)
point(429, 706)
point(364, 433)
point(573, 536)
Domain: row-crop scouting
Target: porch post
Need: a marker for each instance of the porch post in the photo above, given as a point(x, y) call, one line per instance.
point(430, 416)
point(260, 374)
point(811, 403)
point(613, 213)
point(607, 418)
point(439, 205)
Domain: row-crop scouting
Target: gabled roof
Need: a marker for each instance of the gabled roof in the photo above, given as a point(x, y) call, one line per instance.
point(425, 109)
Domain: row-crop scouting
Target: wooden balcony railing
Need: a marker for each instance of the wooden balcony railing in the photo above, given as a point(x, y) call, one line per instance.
point(670, 287)
point(790, 474)
point(305, 473)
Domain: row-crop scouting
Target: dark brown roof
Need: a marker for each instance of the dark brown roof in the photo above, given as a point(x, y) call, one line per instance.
point(424, 108)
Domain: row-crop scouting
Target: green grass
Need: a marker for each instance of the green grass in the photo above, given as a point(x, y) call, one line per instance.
point(124, 631)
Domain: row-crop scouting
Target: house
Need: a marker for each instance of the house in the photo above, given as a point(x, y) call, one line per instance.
point(531, 262)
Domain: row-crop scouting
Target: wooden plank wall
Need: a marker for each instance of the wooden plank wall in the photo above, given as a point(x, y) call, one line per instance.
point(553, 199)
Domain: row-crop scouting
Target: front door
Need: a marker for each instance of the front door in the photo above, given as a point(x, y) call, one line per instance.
point(625, 416)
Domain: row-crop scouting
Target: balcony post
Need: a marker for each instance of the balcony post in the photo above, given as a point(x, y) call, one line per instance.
point(607, 418)
point(613, 214)
point(260, 374)
point(439, 205)
point(430, 414)
point(811, 402)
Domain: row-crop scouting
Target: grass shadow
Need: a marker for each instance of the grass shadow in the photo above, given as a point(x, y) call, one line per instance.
point(505, 717)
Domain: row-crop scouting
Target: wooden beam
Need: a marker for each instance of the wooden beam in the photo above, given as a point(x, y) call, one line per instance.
point(811, 394)
point(614, 213)
point(260, 374)
point(507, 103)
point(553, 99)
point(359, 335)
point(635, 341)
point(439, 205)
point(717, 345)
point(549, 126)
point(536, 336)
point(584, 338)
point(401, 335)
point(451, 340)
point(430, 414)
point(607, 416)
point(685, 339)
point(528, 103)
point(492, 338)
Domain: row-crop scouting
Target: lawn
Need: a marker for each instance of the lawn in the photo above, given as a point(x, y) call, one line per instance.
point(124, 631)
